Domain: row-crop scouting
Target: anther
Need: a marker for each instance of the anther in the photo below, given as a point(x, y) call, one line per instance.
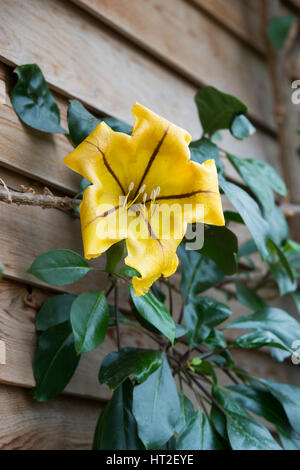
point(142, 189)
point(131, 186)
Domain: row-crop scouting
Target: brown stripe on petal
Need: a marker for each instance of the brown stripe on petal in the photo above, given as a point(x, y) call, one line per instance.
point(181, 196)
point(105, 214)
point(108, 167)
point(151, 160)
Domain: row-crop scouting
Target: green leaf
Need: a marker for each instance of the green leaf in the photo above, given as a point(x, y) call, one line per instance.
point(254, 179)
point(156, 407)
point(244, 432)
point(260, 402)
point(241, 127)
point(273, 320)
point(33, 101)
point(279, 29)
point(154, 312)
point(216, 341)
point(82, 123)
point(221, 245)
point(84, 183)
point(281, 270)
point(89, 319)
point(203, 150)
point(198, 273)
point(258, 339)
point(249, 297)
point(114, 256)
point(278, 227)
point(231, 216)
point(129, 271)
point(250, 213)
point(217, 110)
point(272, 178)
point(296, 297)
point(203, 367)
point(55, 363)
point(55, 310)
point(219, 421)
point(116, 428)
point(59, 267)
point(198, 435)
point(201, 315)
point(158, 292)
point(289, 397)
point(187, 411)
point(118, 366)
point(292, 252)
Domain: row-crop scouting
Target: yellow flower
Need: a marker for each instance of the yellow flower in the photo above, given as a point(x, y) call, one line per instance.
point(145, 189)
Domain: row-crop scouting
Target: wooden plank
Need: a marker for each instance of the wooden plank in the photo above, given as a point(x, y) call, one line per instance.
point(18, 309)
point(193, 44)
point(118, 74)
point(39, 156)
point(241, 16)
point(64, 423)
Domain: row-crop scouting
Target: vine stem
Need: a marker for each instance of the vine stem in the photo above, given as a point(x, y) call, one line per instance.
point(205, 392)
point(117, 316)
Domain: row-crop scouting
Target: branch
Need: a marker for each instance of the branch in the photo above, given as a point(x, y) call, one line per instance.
point(46, 201)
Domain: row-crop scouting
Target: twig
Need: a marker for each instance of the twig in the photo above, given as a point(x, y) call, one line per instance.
point(206, 393)
point(42, 200)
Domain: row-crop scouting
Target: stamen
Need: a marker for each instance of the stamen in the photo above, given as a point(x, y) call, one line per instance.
point(157, 191)
point(142, 189)
point(131, 186)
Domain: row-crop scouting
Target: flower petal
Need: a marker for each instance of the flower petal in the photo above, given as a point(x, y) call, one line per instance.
point(151, 257)
point(102, 158)
point(103, 221)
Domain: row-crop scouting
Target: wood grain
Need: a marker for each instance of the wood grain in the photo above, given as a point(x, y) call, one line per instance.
point(64, 423)
point(186, 39)
point(240, 16)
point(18, 308)
point(92, 63)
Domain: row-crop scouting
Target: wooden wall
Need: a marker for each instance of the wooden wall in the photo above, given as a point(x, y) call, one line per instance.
point(108, 54)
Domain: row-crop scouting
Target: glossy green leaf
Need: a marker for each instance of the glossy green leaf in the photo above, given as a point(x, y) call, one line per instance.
point(256, 181)
point(158, 292)
point(279, 29)
point(249, 297)
point(231, 216)
point(118, 366)
point(217, 110)
point(154, 312)
point(273, 320)
point(116, 428)
point(55, 310)
point(244, 432)
point(260, 402)
point(221, 245)
point(156, 407)
point(296, 297)
point(187, 411)
point(203, 150)
point(33, 101)
point(114, 256)
point(272, 178)
point(203, 367)
point(219, 421)
point(281, 270)
point(89, 319)
point(59, 267)
point(201, 315)
point(258, 339)
point(289, 397)
point(250, 213)
point(241, 127)
point(55, 363)
point(198, 273)
point(129, 271)
point(81, 122)
point(216, 341)
point(278, 226)
point(198, 435)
